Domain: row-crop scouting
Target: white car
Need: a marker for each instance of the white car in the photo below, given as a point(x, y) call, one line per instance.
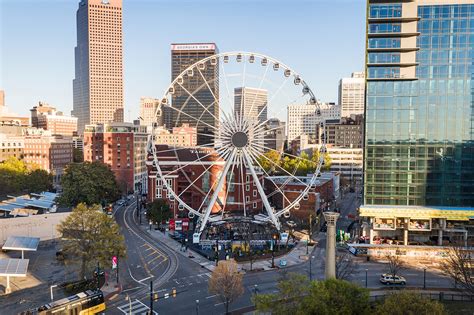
point(387, 279)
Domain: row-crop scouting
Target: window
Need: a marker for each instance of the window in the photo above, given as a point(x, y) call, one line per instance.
point(255, 205)
point(247, 199)
point(384, 42)
point(247, 187)
point(255, 193)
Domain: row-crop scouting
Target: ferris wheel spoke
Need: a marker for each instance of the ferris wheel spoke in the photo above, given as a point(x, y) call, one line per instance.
point(199, 102)
point(287, 154)
point(186, 165)
point(269, 177)
point(241, 113)
point(260, 190)
point(229, 98)
point(243, 182)
point(259, 86)
point(228, 185)
point(196, 119)
point(173, 149)
point(216, 191)
point(195, 180)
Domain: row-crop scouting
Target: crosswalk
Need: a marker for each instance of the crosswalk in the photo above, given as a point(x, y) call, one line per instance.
point(190, 280)
point(135, 308)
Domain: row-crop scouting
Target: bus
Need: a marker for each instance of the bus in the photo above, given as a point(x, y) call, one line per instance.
point(85, 303)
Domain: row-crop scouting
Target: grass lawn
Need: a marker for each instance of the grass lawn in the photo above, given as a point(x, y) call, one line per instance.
point(459, 307)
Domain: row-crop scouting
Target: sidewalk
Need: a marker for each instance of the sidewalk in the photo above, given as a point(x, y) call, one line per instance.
point(111, 290)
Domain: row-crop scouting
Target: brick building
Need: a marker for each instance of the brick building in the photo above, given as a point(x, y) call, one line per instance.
point(122, 146)
point(48, 118)
point(191, 173)
point(51, 153)
point(184, 136)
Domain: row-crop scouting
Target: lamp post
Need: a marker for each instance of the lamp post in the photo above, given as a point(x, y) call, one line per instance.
point(255, 289)
point(331, 218)
point(273, 250)
point(424, 278)
point(197, 307)
point(51, 288)
point(310, 269)
point(366, 271)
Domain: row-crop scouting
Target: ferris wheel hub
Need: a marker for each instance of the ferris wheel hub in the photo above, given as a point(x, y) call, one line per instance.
point(240, 139)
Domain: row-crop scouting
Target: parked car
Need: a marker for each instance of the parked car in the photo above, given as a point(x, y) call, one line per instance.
point(121, 202)
point(390, 279)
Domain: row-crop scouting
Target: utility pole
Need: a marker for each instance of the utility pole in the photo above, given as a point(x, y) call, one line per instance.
point(151, 296)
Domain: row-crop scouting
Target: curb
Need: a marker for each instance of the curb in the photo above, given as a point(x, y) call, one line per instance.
point(112, 295)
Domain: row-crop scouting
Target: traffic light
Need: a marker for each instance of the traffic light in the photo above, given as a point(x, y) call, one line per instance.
point(155, 296)
point(173, 293)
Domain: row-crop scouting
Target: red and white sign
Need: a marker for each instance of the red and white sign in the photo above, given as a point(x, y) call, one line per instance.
point(193, 47)
point(179, 225)
point(114, 262)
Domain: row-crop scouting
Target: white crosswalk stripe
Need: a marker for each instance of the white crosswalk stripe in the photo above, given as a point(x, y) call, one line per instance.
point(136, 308)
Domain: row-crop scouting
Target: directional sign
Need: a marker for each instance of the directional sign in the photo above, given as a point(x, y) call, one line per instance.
point(114, 262)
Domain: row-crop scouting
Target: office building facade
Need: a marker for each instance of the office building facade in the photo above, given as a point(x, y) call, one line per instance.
point(251, 103)
point(150, 112)
point(98, 82)
point(419, 139)
point(48, 118)
point(202, 106)
point(352, 94)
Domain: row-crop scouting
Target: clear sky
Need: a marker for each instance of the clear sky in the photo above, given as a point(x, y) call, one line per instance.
point(323, 40)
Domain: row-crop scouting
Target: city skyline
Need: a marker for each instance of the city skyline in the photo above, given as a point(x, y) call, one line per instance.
point(147, 67)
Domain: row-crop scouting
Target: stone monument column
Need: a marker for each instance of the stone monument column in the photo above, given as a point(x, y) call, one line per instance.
point(331, 218)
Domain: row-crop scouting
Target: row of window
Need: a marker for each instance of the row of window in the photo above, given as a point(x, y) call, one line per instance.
point(385, 28)
point(445, 26)
point(384, 43)
point(436, 11)
point(384, 72)
point(444, 41)
point(384, 57)
point(385, 10)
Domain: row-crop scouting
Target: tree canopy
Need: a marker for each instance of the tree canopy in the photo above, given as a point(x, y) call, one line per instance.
point(226, 282)
point(89, 183)
point(90, 236)
point(16, 176)
point(297, 295)
point(272, 162)
point(158, 211)
point(409, 303)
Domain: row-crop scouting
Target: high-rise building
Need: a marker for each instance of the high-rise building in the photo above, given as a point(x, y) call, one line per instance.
point(148, 112)
point(183, 136)
point(346, 132)
point(351, 94)
point(98, 83)
point(201, 107)
point(419, 130)
point(252, 101)
point(122, 146)
point(275, 135)
point(48, 118)
point(303, 119)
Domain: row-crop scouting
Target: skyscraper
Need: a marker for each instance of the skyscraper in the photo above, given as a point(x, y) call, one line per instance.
point(98, 83)
point(149, 113)
point(351, 94)
point(419, 132)
point(201, 107)
point(252, 101)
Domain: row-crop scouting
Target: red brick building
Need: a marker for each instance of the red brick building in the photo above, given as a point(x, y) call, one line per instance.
point(46, 117)
point(191, 173)
point(122, 146)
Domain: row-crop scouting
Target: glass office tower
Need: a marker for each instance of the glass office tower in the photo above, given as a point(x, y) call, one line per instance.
point(419, 133)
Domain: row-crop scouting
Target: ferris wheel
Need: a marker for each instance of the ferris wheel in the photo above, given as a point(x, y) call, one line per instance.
point(236, 105)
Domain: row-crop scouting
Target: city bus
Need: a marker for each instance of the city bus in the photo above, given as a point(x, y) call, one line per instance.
point(85, 303)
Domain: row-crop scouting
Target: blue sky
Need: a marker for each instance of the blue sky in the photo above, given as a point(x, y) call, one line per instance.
point(323, 40)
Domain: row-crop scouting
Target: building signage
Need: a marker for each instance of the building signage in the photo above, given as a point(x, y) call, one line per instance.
point(193, 47)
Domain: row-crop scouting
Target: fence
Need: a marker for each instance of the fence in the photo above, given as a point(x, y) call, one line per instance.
point(440, 296)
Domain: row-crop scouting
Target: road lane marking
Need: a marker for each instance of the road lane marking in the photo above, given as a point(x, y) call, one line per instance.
point(211, 296)
point(146, 278)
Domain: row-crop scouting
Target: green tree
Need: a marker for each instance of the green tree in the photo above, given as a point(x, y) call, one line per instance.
point(158, 211)
point(89, 183)
point(38, 181)
point(327, 160)
point(13, 173)
point(269, 161)
point(409, 303)
point(90, 236)
point(297, 295)
point(77, 155)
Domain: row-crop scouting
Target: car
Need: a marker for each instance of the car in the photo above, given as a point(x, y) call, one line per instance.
point(121, 202)
point(388, 279)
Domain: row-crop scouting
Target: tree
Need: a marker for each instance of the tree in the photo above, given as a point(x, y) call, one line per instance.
point(269, 160)
point(297, 295)
point(226, 282)
point(89, 183)
point(459, 266)
point(409, 303)
point(345, 266)
point(158, 211)
point(77, 155)
point(38, 181)
point(327, 159)
point(90, 236)
point(395, 264)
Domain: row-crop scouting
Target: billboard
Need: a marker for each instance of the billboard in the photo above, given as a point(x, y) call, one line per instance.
point(193, 46)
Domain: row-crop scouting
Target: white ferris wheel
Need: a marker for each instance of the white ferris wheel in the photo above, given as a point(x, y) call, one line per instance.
point(233, 100)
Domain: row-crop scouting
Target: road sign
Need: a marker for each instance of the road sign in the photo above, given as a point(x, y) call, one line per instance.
point(114, 262)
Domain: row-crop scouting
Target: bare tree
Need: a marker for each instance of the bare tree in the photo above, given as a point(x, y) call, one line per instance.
point(395, 264)
point(459, 266)
point(226, 282)
point(345, 266)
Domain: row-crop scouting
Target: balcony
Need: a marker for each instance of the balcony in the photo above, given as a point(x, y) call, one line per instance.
point(393, 34)
point(393, 19)
point(397, 49)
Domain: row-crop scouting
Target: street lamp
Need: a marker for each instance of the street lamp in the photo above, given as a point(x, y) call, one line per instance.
point(51, 288)
point(273, 250)
point(366, 271)
point(197, 307)
point(255, 288)
point(310, 270)
point(424, 278)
